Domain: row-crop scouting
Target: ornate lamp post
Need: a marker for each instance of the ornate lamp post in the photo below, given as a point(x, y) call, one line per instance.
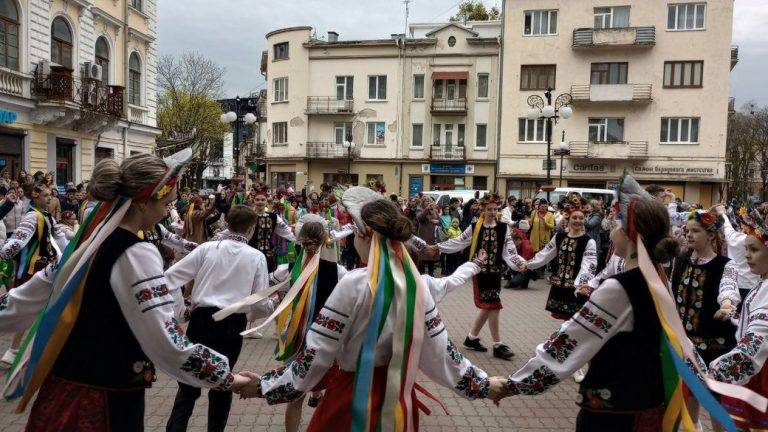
point(551, 114)
point(562, 150)
point(350, 146)
point(238, 116)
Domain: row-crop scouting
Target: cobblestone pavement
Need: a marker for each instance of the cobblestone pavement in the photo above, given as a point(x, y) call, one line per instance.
point(524, 325)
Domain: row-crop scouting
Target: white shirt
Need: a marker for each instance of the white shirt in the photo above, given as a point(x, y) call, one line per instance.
point(224, 272)
point(738, 255)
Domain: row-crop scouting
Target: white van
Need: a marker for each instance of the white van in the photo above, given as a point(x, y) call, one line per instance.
point(444, 197)
point(586, 193)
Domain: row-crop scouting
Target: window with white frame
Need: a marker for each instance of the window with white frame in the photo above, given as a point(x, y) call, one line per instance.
point(345, 87)
point(281, 89)
point(450, 89)
point(481, 136)
point(460, 133)
point(448, 134)
point(377, 87)
point(280, 133)
point(531, 131)
point(376, 133)
point(686, 16)
point(341, 132)
point(679, 130)
point(483, 81)
point(540, 22)
point(606, 130)
point(611, 17)
point(418, 86)
point(281, 51)
point(417, 136)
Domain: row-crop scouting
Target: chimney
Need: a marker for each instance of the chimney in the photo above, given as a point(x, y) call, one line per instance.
point(333, 36)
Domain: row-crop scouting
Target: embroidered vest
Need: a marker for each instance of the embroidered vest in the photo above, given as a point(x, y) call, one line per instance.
point(492, 240)
point(101, 350)
point(625, 375)
point(568, 261)
point(262, 237)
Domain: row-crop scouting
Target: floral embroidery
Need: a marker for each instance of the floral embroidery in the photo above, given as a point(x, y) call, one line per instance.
point(560, 346)
point(144, 372)
point(490, 243)
point(433, 323)
point(148, 294)
point(190, 246)
point(595, 319)
point(750, 344)
point(264, 229)
point(303, 361)
point(273, 374)
point(176, 333)
point(566, 263)
point(3, 302)
point(330, 323)
point(454, 353)
point(208, 366)
point(594, 398)
point(734, 367)
point(690, 297)
point(760, 316)
point(282, 394)
point(472, 385)
point(540, 380)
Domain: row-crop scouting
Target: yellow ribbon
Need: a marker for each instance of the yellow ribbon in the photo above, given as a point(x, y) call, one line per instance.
point(476, 236)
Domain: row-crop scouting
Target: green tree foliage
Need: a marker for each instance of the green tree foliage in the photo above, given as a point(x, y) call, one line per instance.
point(747, 153)
point(475, 11)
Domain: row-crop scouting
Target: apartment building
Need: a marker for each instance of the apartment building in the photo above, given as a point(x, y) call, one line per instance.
point(77, 84)
point(415, 112)
point(649, 82)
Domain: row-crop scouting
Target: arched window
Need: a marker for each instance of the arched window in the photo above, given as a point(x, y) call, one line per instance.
point(134, 80)
point(61, 43)
point(102, 58)
point(9, 34)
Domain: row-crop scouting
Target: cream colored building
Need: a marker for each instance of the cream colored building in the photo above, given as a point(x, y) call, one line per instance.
point(77, 84)
point(421, 111)
point(650, 86)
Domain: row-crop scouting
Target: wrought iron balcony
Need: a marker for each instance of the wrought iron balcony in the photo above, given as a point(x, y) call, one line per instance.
point(447, 153)
point(611, 93)
point(329, 105)
point(609, 150)
point(449, 106)
point(734, 56)
point(330, 150)
point(614, 37)
point(61, 87)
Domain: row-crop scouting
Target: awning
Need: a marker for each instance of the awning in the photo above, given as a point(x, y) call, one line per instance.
point(450, 75)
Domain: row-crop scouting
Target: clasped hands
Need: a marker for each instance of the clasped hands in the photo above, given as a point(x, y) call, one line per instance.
point(247, 385)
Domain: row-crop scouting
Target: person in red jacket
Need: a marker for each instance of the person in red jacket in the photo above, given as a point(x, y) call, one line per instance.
point(520, 280)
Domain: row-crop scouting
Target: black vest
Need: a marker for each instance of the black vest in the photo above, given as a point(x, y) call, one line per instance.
point(495, 264)
point(101, 350)
point(262, 236)
point(327, 277)
point(625, 375)
point(574, 257)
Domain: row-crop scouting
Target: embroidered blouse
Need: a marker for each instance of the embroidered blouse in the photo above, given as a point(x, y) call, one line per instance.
point(588, 260)
point(615, 266)
point(509, 251)
point(23, 234)
point(736, 252)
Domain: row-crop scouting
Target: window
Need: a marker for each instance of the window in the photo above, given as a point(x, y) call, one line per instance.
point(136, 4)
point(9, 34)
point(537, 77)
point(448, 135)
point(281, 51)
point(480, 183)
point(281, 89)
point(686, 16)
point(532, 131)
point(342, 131)
point(102, 58)
point(61, 43)
point(460, 135)
point(452, 41)
point(103, 153)
point(612, 17)
point(482, 85)
point(418, 86)
point(480, 139)
point(65, 161)
point(134, 80)
point(377, 87)
point(436, 128)
point(609, 73)
point(679, 130)
point(606, 130)
point(344, 87)
point(450, 89)
point(683, 74)
point(376, 133)
point(280, 133)
point(417, 138)
point(540, 23)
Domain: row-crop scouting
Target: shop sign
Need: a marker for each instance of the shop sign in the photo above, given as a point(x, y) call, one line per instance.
point(8, 117)
point(675, 170)
point(447, 169)
point(588, 167)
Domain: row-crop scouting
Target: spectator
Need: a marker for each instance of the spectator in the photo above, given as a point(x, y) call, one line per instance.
point(70, 201)
point(68, 224)
point(542, 224)
point(428, 223)
point(445, 218)
point(593, 224)
point(520, 280)
point(15, 205)
point(54, 207)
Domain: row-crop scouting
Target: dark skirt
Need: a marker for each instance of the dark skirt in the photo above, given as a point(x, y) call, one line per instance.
point(563, 303)
point(602, 421)
point(487, 290)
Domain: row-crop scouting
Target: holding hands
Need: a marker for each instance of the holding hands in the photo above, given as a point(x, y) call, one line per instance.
point(727, 309)
point(247, 385)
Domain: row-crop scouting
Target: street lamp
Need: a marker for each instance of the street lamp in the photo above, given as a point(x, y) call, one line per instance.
point(349, 145)
point(550, 113)
point(562, 150)
point(237, 117)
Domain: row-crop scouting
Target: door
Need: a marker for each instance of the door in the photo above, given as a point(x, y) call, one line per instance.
point(65, 161)
point(10, 154)
point(415, 184)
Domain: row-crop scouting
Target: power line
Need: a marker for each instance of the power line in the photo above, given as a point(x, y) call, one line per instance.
point(447, 10)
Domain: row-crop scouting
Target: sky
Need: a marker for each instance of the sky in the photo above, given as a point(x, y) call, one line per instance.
point(231, 32)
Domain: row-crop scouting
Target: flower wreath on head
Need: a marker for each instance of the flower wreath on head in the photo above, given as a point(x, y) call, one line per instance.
point(753, 223)
point(710, 222)
point(490, 198)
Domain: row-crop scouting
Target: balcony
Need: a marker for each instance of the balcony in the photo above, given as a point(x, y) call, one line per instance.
point(447, 153)
point(328, 105)
point(137, 114)
point(734, 56)
point(329, 150)
point(449, 106)
point(609, 150)
point(598, 93)
point(15, 83)
point(731, 105)
point(641, 37)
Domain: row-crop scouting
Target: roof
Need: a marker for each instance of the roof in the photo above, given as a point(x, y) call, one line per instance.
point(316, 43)
point(287, 29)
point(474, 33)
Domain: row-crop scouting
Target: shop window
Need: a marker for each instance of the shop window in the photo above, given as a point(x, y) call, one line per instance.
point(480, 183)
point(279, 179)
point(103, 153)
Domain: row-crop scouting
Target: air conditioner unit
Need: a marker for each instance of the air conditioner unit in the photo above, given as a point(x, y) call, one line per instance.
point(42, 74)
point(44, 67)
point(92, 71)
point(470, 169)
point(425, 168)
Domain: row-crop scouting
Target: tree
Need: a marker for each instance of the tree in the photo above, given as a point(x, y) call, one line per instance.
point(747, 152)
point(475, 11)
point(189, 88)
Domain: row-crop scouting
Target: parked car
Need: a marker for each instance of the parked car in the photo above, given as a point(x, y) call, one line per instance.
point(444, 197)
point(586, 193)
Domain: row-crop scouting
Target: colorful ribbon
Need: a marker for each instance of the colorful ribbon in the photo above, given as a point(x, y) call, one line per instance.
point(476, 236)
point(293, 323)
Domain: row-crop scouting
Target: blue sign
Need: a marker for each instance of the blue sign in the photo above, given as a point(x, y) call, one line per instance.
point(8, 117)
point(447, 169)
point(416, 185)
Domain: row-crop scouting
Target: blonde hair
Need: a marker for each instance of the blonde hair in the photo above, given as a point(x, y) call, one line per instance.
point(136, 173)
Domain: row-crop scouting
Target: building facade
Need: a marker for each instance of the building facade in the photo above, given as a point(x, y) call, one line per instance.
point(419, 111)
point(649, 82)
point(77, 84)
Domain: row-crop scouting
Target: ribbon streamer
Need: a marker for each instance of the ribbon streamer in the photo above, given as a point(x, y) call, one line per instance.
point(249, 301)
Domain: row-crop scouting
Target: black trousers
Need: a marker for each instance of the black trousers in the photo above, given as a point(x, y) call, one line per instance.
point(224, 337)
point(427, 266)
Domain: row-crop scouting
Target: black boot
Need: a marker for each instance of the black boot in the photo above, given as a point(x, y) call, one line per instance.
point(474, 344)
point(503, 352)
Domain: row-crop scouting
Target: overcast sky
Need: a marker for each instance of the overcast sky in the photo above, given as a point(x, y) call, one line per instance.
point(231, 32)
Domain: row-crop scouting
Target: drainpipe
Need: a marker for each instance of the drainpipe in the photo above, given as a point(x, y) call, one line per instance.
point(499, 105)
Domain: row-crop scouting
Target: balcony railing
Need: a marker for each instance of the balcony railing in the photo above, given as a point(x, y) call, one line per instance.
point(15, 83)
point(137, 114)
point(612, 93)
point(734, 56)
point(86, 94)
point(449, 106)
point(329, 105)
point(731, 105)
point(447, 153)
point(329, 150)
point(609, 150)
point(614, 37)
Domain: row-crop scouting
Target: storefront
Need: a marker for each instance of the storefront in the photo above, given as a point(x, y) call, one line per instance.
point(11, 152)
